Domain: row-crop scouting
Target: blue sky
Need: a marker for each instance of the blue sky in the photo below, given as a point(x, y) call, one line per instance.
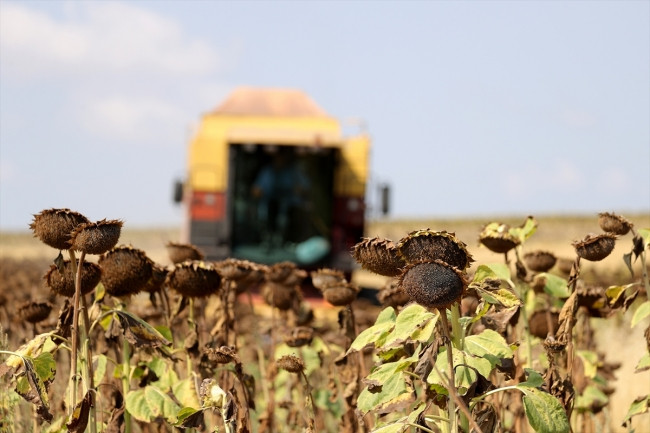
point(475, 108)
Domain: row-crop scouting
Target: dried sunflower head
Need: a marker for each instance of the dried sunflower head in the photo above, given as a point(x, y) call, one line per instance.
point(392, 295)
point(54, 226)
point(34, 312)
point(340, 294)
point(379, 256)
point(96, 238)
point(179, 253)
point(235, 269)
point(612, 223)
point(322, 278)
point(157, 280)
point(125, 270)
point(280, 296)
point(291, 363)
point(194, 279)
point(427, 245)
point(539, 261)
point(595, 247)
point(497, 238)
point(299, 336)
point(433, 284)
point(280, 272)
point(62, 282)
point(223, 355)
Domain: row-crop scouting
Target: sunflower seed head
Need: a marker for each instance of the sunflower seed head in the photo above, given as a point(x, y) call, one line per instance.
point(96, 238)
point(54, 226)
point(379, 256)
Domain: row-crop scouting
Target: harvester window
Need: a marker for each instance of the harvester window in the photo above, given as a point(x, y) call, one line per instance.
point(282, 199)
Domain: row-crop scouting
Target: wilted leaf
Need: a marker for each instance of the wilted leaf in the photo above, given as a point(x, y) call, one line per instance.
point(501, 296)
point(34, 389)
point(395, 392)
point(385, 371)
point(403, 423)
point(30, 349)
point(79, 418)
point(189, 417)
point(185, 393)
point(138, 332)
point(544, 412)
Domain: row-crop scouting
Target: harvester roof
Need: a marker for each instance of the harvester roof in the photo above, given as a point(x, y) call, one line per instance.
point(253, 101)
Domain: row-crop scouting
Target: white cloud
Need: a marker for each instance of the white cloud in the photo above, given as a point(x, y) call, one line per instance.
point(577, 118)
point(131, 118)
point(614, 180)
point(99, 37)
point(7, 171)
point(559, 176)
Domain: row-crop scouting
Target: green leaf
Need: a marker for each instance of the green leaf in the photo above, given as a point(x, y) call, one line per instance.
point(644, 363)
point(533, 379)
point(99, 368)
point(45, 366)
point(525, 231)
point(493, 270)
point(466, 369)
point(410, 324)
point(590, 397)
point(377, 332)
point(555, 286)
point(641, 313)
point(165, 332)
point(160, 403)
point(589, 361)
point(138, 406)
point(385, 371)
point(490, 345)
point(639, 405)
point(544, 412)
point(150, 403)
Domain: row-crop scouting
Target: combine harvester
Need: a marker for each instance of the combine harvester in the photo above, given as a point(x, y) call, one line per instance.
point(271, 178)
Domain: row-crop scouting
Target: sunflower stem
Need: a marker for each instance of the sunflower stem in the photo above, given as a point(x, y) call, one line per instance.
point(451, 403)
point(74, 332)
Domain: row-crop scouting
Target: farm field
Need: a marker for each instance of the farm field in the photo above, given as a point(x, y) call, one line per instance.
point(305, 396)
